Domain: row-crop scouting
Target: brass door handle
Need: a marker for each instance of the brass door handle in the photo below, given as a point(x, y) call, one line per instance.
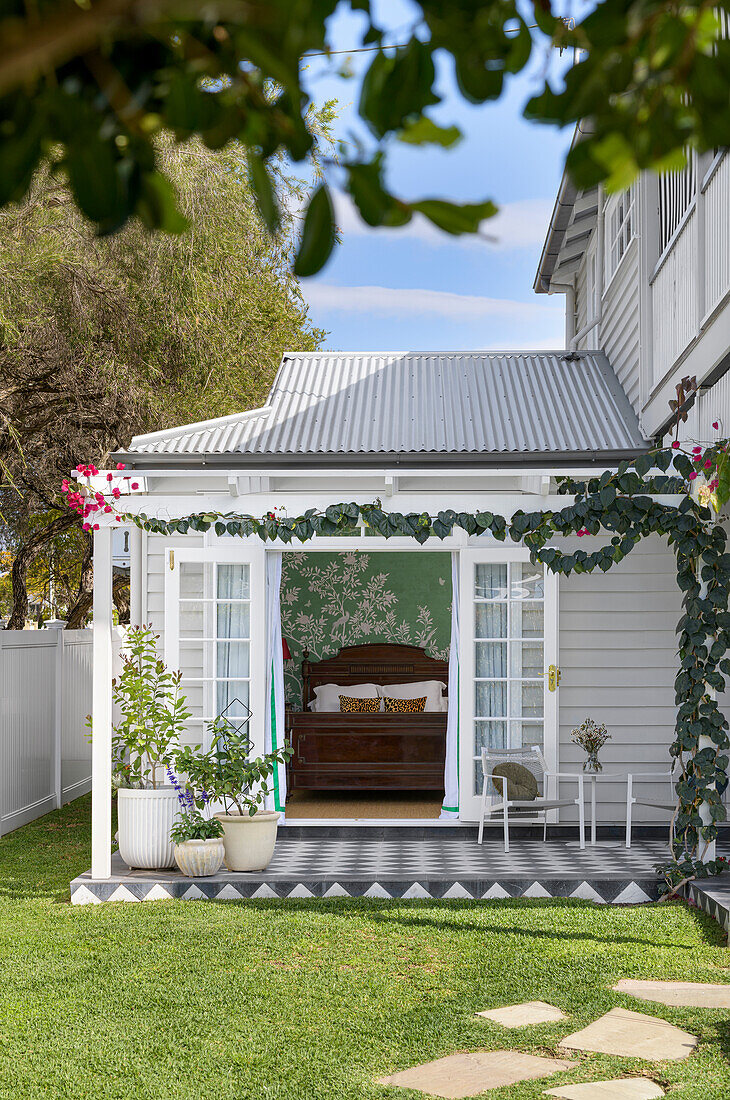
point(553, 675)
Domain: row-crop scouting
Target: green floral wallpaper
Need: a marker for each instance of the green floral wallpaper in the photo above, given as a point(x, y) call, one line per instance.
point(332, 600)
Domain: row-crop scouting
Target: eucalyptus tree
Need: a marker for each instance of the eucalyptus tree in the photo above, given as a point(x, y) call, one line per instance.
point(102, 337)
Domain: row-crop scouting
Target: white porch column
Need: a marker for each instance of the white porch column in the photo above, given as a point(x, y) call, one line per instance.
point(705, 814)
point(705, 742)
point(135, 577)
point(101, 745)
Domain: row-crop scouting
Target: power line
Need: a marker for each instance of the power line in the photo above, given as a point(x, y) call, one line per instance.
point(370, 49)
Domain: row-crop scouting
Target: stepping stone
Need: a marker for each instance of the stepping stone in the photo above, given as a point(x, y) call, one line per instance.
point(626, 1088)
point(633, 1035)
point(464, 1075)
point(531, 1012)
point(681, 994)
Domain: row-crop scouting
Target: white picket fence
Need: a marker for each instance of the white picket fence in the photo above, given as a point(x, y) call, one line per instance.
point(45, 696)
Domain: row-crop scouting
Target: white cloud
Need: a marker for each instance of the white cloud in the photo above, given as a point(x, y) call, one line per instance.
point(401, 301)
point(521, 224)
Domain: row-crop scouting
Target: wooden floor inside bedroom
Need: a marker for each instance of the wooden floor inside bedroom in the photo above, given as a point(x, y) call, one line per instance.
point(301, 805)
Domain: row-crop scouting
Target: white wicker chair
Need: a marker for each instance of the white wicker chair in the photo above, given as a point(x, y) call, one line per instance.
point(632, 799)
point(534, 761)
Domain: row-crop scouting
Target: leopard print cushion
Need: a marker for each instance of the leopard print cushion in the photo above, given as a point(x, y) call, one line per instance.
point(348, 705)
point(405, 706)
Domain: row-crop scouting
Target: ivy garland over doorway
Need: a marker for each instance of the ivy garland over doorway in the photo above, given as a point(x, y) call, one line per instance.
point(624, 504)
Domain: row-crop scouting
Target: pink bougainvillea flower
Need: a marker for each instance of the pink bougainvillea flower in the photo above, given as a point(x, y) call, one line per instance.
point(714, 483)
point(120, 465)
point(109, 477)
point(96, 526)
point(708, 464)
point(118, 519)
point(716, 425)
point(675, 444)
point(135, 485)
point(107, 508)
point(86, 526)
point(693, 475)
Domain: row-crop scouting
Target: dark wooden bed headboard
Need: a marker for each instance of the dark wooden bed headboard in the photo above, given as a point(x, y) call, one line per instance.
point(376, 663)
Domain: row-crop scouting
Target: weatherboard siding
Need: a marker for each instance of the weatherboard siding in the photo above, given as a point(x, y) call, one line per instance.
point(618, 662)
point(619, 333)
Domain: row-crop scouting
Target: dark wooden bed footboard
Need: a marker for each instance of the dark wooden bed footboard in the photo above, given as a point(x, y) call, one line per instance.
point(367, 752)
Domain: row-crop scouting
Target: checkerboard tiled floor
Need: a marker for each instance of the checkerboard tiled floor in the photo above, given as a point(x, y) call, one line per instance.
point(436, 863)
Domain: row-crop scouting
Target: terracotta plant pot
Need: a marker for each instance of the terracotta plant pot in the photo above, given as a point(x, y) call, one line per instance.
point(249, 841)
point(199, 858)
point(145, 820)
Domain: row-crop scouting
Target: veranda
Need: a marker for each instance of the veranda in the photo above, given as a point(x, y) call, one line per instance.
point(471, 525)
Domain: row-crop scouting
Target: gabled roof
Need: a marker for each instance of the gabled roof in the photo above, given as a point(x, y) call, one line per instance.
point(416, 409)
point(571, 225)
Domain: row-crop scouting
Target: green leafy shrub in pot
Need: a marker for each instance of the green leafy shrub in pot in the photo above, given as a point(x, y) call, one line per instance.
point(152, 719)
point(226, 773)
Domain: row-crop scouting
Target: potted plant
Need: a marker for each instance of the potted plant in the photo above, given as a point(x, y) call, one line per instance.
point(152, 718)
point(227, 775)
point(197, 839)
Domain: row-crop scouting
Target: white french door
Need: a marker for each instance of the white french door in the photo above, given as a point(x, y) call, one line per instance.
point(215, 634)
point(509, 643)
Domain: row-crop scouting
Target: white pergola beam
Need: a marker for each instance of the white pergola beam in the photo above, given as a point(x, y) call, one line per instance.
point(101, 714)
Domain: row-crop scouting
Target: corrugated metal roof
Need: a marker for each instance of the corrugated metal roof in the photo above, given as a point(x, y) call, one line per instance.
point(415, 407)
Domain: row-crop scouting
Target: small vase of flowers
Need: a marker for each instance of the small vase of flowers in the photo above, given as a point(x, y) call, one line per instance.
point(199, 848)
point(591, 737)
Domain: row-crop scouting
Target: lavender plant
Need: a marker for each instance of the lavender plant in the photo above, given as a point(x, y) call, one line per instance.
point(191, 824)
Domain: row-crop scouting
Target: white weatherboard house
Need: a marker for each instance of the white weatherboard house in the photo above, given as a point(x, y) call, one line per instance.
point(646, 276)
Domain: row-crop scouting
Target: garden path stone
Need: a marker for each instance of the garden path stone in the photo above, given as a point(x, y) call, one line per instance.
point(626, 1088)
point(633, 1035)
point(462, 1075)
point(522, 1015)
point(680, 994)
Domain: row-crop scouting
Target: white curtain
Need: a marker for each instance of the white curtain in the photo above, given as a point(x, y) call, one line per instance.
point(450, 808)
point(275, 707)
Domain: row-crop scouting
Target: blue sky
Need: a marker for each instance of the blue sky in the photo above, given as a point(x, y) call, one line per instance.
point(418, 289)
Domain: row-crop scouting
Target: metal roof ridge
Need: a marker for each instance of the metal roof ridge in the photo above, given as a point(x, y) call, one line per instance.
point(202, 425)
point(474, 352)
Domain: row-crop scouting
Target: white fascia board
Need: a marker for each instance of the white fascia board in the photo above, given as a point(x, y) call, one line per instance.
point(307, 474)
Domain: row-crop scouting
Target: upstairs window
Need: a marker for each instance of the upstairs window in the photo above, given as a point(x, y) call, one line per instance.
point(620, 229)
point(676, 195)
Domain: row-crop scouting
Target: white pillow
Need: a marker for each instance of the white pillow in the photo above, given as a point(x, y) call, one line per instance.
point(328, 695)
point(432, 689)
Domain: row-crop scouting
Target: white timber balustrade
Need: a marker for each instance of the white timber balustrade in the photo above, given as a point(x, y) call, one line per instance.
point(101, 746)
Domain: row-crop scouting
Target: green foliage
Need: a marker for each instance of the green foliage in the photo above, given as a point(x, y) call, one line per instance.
point(193, 826)
point(226, 772)
point(624, 504)
point(153, 713)
point(97, 85)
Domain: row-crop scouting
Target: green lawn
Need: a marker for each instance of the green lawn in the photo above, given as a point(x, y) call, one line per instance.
point(270, 1000)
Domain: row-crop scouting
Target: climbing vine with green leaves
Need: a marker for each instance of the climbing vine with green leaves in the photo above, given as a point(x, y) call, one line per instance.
point(625, 504)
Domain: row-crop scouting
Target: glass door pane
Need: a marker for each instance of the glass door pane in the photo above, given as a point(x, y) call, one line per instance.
point(215, 640)
point(509, 657)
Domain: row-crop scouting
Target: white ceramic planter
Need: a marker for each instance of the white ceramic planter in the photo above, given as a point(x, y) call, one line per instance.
point(198, 858)
point(249, 841)
point(145, 820)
